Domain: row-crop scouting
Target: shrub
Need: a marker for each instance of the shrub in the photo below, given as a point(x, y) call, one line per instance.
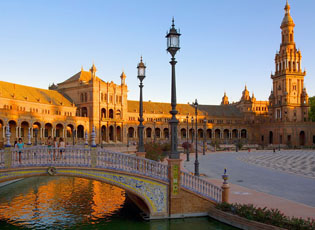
point(267, 216)
point(156, 151)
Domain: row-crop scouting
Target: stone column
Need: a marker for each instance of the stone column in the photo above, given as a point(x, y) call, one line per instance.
point(20, 130)
point(16, 132)
point(107, 133)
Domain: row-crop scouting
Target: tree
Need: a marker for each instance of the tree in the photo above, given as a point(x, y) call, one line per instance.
point(311, 102)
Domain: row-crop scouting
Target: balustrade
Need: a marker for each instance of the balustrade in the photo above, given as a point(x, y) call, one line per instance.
point(201, 187)
point(42, 156)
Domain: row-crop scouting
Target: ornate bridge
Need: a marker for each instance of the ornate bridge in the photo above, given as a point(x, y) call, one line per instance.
point(160, 190)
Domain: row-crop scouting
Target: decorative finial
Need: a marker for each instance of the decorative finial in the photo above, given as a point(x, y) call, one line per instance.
point(287, 7)
point(173, 25)
point(141, 58)
point(82, 68)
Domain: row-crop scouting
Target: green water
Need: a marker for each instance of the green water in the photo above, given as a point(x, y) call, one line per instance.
point(76, 203)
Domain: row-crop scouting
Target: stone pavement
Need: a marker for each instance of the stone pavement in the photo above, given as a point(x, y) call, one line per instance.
point(281, 180)
point(300, 162)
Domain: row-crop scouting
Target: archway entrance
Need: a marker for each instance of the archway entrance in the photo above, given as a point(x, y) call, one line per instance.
point(302, 138)
point(270, 137)
point(111, 133)
point(103, 133)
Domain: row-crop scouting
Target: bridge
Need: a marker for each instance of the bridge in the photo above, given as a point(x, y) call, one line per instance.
point(160, 190)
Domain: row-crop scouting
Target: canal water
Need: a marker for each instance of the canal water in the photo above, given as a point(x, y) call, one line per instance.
point(76, 203)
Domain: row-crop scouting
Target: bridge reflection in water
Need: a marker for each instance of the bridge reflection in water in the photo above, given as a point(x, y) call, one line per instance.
point(75, 203)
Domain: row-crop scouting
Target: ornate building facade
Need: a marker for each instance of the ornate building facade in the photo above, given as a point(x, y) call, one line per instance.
point(71, 108)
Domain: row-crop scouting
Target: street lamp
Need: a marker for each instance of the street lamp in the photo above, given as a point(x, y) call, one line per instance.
point(172, 48)
point(196, 160)
point(204, 136)
point(192, 130)
point(187, 144)
point(154, 137)
point(141, 75)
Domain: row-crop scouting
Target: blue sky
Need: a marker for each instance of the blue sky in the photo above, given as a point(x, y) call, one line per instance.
point(224, 44)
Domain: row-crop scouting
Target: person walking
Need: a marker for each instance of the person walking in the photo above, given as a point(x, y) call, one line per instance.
point(55, 148)
point(61, 146)
point(20, 146)
point(49, 146)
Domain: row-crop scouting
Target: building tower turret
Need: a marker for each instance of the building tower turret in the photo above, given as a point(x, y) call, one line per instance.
point(93, 72)
point(225, 100)
point(123, 78)
point(288, 79)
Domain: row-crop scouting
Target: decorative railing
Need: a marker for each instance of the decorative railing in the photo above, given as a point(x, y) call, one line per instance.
point(42, 156)
point(201, 187)
point(124, 162)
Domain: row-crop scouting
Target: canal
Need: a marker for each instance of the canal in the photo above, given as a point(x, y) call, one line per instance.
point(76, 203)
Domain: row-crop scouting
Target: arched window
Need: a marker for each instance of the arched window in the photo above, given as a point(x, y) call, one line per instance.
point(131, 131)
point(111, 114)
point(291, 37)
point(148, 131)
point(84, 112)
point(85, 97)
point(103, 113)
point(81, 97)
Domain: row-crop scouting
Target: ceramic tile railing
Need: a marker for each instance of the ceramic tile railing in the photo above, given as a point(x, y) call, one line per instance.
point(42, 156)
point(201, 187)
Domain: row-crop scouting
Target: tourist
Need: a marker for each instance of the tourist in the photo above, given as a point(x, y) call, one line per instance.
point(49, 145)
point(15, 146)
point(61, 146)
point(20, 146)
point(55, 148)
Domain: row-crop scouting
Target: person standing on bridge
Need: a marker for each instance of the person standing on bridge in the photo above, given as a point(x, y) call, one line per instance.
point(49, 145)
point(20, 146)
point(61, 146)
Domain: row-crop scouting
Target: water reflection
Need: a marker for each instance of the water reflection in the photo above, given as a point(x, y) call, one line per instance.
point(39, 202)
point(76, 203)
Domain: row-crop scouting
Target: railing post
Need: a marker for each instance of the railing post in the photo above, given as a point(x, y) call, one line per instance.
point(93, 148)
point(86, 143)
point(225, 188)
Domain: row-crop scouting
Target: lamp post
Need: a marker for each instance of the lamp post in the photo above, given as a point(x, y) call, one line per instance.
point(187, 144)
point(141, 75)
point(172, 48)
point(204, 136)
point(154, 137)
point(192, 130)
point(196, 160)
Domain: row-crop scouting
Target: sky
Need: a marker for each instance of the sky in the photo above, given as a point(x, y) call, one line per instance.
point(224, 44)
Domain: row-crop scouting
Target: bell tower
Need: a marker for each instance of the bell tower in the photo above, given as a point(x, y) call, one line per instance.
point(288, 99)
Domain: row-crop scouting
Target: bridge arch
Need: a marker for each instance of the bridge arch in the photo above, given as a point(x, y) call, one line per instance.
point(148, 187)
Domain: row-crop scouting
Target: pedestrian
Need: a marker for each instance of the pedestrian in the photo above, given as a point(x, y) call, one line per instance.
point(55, 148)
point(61, 146)
point(15, 146)
point(49, 146)
point(20, 146)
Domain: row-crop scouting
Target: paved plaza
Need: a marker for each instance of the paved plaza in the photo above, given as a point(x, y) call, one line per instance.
point(289, 174)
